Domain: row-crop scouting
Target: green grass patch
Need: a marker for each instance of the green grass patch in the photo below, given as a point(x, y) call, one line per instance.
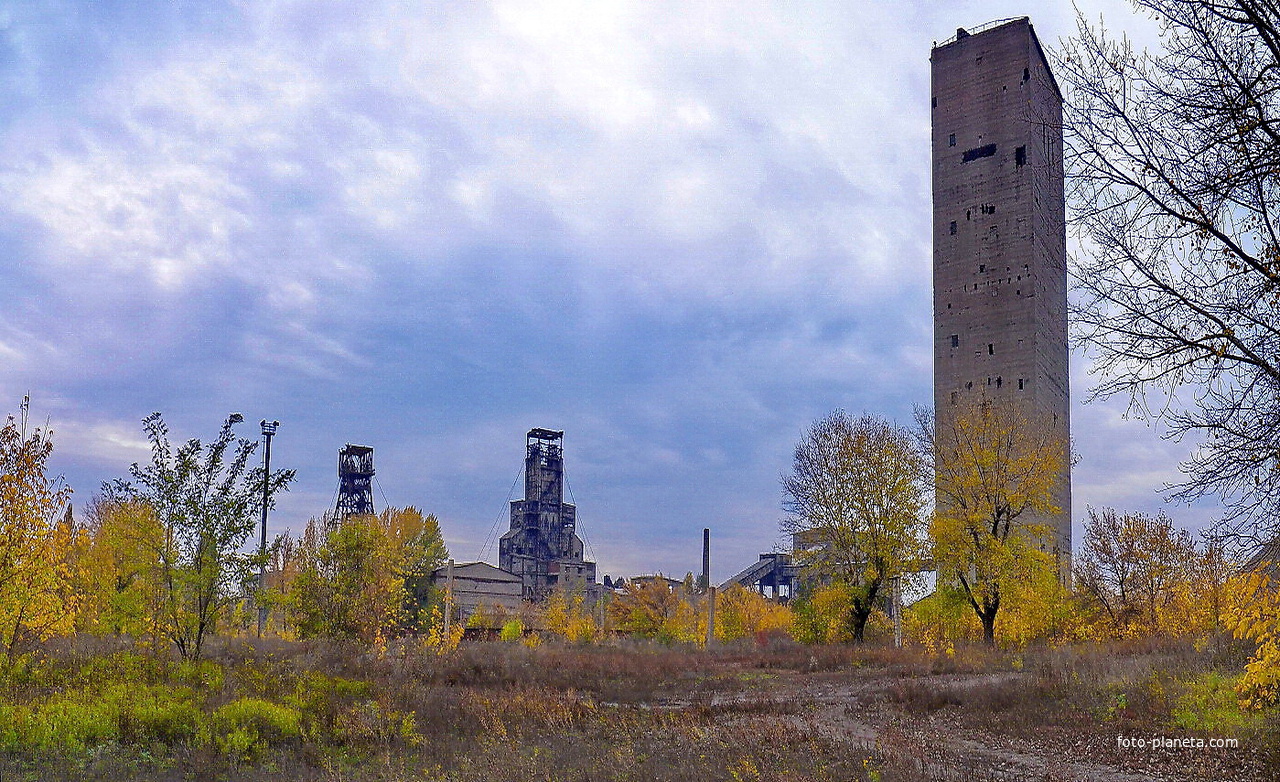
point(1209, 704)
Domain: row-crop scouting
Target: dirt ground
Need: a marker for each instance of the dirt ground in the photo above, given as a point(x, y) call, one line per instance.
point(974, 742)
point(769, 711)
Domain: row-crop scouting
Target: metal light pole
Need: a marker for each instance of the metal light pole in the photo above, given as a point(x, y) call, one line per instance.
point(268, 430)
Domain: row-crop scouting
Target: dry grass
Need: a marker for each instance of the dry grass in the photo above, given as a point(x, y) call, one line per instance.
point(497, 711)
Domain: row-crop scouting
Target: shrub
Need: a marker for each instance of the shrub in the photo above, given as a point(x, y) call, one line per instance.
point(512, 631)
point(119, 667)
point(245, 727)
point(1209, 703)
point(80, 719)
point(821, 617)
point(368, 722)
point(204, 675)
point(63, 723)
point(167, 714)
point(320, 699)
point(742, 613)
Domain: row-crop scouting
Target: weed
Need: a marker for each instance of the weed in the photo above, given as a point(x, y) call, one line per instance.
point(1209, 704)
point(245, 727)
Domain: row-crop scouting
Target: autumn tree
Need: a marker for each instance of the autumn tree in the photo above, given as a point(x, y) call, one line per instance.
point(1173, 162)
point(855, 502)
point(744, 613)
point(207, 500)
point(118, 569)
point(650, 608)
point(364, 576)
point(994, 474)
point(37, 535)
point(1253, 614)
point(1138, 570)
point(567, 613)
point(420, 550)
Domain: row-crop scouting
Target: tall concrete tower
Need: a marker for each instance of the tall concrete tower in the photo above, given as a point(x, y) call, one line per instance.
point(999, 237)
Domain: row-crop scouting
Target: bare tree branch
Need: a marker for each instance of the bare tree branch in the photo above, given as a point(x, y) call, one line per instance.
point(1174, 165)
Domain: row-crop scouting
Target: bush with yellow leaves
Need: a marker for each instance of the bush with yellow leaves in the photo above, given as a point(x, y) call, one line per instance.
point(567, 615)
point(1253, 613)
point(742, 613)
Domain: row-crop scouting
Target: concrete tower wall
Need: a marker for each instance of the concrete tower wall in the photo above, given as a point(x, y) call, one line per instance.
point(999, 241)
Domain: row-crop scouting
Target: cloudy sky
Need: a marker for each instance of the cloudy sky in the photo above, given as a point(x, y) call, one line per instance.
point(678, 231)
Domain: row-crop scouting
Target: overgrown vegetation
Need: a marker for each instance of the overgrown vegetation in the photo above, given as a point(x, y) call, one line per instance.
point(638, 710)
point(128, 651)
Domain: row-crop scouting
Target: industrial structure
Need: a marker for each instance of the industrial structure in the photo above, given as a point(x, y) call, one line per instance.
point(999, 238)
point(542, 547)
point(775, 571)
point(355, 481)
point(479, 584)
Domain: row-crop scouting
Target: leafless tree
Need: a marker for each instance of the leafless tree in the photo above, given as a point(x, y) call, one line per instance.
point(1173, 164)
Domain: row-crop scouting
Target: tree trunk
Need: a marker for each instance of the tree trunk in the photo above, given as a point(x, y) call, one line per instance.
point(989, 628)
point(861, 611)
point(858, 617)
point(988, 618)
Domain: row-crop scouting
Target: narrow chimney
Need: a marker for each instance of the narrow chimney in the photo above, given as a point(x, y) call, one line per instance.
point(706, 558)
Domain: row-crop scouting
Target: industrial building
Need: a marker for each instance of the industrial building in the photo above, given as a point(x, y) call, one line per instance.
point(542, 547)
point(775, 571)
point(477, 584)
point(999, 237)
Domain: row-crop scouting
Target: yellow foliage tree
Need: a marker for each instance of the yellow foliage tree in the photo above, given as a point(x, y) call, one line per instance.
point(939, 620)
point(118, 570)
point(855, 501)
point(743, 613)
point(1253, 613)
point(365, 577)
point(1140, 575)
point(650, 608)
point(993, 472)
point(567, 615)
point(822, 616)
point(1039, 607)
point(37, 535)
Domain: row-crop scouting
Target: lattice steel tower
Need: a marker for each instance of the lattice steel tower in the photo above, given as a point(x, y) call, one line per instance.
point(542, 546)
point(999, 237)
point(355, 481)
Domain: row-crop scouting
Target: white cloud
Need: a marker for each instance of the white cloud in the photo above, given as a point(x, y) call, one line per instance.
point(111, 443)
point(649, 136)
point(354, 205)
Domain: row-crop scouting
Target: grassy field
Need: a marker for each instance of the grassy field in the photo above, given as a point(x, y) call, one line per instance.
point(99, 709)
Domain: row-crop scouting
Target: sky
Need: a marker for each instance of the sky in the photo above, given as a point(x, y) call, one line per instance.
point(680, 232)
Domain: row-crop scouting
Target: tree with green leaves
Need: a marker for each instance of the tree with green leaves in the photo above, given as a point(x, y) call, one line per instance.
point(855, 501)
point(366, 577)
point(207, 500)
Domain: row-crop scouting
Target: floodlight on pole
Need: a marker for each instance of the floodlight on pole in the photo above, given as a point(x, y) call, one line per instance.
point(268, 431)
